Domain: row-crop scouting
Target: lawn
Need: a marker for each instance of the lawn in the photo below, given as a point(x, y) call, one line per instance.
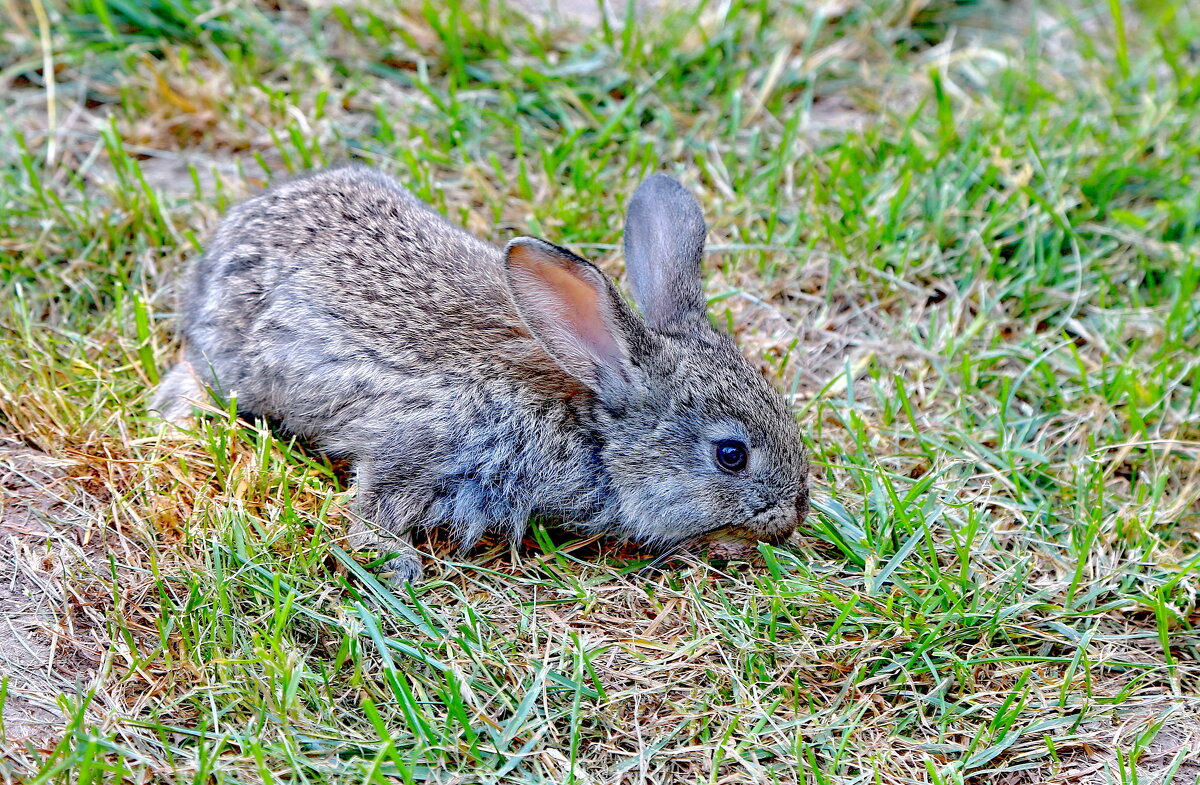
point(960, 236)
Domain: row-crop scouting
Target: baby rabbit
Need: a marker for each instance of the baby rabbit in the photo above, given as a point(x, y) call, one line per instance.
point(475, 387)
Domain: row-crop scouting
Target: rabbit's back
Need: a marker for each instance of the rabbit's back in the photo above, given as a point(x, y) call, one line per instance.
point(328, 297)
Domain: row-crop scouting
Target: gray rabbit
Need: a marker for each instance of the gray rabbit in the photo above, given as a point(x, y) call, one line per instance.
point(474, 387)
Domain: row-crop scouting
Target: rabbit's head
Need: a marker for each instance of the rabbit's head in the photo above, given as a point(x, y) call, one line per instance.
point(693, 439)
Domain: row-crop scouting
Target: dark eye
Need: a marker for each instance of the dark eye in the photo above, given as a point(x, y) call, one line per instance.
point(732, 455)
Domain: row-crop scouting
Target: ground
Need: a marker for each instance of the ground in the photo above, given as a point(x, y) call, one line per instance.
point(960, 236)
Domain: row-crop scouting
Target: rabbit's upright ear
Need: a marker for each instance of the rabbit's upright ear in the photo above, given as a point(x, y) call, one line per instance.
point(573, 310)
point(664, 240)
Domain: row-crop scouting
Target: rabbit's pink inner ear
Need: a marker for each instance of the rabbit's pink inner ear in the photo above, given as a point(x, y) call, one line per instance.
point(565, 303)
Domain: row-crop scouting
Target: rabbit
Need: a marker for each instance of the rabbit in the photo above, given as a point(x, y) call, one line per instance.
point(473, 387)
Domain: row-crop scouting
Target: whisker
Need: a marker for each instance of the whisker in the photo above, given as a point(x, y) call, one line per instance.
point(675, 549)
point(660, 558)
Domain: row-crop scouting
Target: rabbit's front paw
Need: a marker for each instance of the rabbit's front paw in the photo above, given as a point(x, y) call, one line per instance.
point(404, 565)
point(403, 568)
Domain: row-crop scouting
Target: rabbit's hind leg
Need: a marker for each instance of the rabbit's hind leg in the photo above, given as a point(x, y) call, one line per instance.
point(177, 391)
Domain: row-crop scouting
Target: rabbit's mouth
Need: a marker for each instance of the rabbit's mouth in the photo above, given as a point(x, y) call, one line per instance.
point(739, 549)
point(740, 542)
point(729, 543)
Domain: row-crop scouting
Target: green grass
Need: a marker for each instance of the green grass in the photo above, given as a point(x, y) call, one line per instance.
point(961, 235)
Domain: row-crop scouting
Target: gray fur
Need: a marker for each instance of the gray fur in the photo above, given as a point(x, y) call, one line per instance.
point(664, 242)
point(345, 310)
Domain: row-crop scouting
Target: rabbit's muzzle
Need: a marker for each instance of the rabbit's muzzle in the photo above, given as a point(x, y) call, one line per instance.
point(741, 542)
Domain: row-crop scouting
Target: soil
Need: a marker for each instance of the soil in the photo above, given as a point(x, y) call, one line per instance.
point(47, 652)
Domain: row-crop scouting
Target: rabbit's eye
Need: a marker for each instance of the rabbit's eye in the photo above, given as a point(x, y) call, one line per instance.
point(732, 455)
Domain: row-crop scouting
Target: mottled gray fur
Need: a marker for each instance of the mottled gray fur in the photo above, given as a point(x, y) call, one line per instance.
point(474, 387)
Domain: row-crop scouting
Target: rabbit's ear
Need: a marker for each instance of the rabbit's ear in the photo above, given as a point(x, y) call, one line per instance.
point(664, 240)
point(573, 310)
